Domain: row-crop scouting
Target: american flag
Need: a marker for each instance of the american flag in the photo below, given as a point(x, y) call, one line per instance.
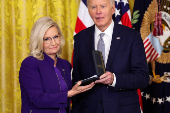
point(153, 48)
point(122, 13)
point(83, 20)
point(122, 16)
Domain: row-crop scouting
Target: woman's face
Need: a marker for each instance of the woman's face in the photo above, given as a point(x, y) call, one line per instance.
point(51, 42)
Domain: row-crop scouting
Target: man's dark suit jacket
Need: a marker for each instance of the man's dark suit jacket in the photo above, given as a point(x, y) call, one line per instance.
point(40, 88)
point(126, 59)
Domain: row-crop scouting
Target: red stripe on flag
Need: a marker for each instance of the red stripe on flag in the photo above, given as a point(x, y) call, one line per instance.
point(146, 41)
point(79, 25)
point(156, 57)
point(148, 49)
point(126, 20)
point(140, 98)
point(146, 45)
point(150, 54)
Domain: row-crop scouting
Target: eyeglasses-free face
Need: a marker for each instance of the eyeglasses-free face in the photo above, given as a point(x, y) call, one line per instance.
point(48, 40)
point(101, 12)
point(51, 42)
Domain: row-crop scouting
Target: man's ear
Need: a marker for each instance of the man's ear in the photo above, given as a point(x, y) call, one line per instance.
point(113, 9)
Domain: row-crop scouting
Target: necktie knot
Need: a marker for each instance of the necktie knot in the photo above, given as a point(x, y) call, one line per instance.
point(102, 34)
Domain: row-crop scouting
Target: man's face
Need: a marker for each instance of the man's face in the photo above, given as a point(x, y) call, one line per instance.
point(101, 12)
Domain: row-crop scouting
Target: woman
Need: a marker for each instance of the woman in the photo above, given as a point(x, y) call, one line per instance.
point(45, 78)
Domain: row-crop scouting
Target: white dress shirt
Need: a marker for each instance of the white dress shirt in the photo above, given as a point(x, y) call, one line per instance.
point(107, 38)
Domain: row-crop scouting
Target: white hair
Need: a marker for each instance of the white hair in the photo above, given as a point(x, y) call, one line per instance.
point(112, 2)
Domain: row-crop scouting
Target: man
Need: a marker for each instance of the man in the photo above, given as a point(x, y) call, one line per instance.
point(124, 58)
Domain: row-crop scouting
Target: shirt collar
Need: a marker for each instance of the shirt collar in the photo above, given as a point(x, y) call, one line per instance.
point(108, 31)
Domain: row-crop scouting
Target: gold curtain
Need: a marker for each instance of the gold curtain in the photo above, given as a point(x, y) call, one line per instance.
point(16, 20)
point(131, 5)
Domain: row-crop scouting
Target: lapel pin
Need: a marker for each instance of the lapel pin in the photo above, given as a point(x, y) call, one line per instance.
point(117, 37)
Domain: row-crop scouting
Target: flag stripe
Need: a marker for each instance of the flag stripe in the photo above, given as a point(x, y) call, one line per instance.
point(147, 44)
point(148, 47)
point(125, 20)
point(79, 26)
point(145, 41)
point(157, 55)
point(153, 55)
point(150, 53)
point(84, 16)
point(140, 98)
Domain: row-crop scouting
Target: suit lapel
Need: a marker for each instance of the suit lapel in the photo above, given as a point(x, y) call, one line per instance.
point(90, 39)
point(116, 39)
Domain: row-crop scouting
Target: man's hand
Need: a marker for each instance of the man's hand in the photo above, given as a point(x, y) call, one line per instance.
point(106, 78)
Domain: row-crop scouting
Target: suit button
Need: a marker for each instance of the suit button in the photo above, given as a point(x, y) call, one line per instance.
point(121, 89)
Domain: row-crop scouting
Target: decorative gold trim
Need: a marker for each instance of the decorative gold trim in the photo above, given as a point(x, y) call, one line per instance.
point(164, 58)
point(148, 18)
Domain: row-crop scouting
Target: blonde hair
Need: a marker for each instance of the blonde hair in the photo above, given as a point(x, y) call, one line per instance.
point(37, 33)
point(112, 2)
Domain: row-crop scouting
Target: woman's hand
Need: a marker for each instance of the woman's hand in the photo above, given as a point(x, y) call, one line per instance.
point(79, 89)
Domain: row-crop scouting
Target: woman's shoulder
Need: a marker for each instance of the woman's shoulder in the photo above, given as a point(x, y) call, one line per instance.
point(30, 60)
